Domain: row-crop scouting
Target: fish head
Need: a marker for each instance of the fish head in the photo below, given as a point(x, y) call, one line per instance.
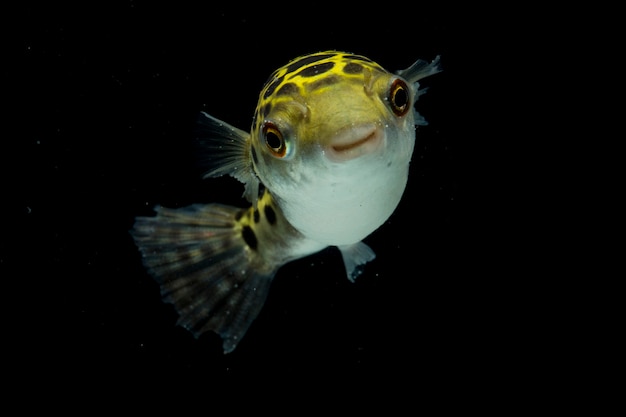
point(332, 111)
point(332, 139)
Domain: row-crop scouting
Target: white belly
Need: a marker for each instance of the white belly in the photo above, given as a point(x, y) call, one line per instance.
point(344, 209)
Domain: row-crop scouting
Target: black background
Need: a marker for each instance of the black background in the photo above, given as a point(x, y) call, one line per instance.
point(108, 96)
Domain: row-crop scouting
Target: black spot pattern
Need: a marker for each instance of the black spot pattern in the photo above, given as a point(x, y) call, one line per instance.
point(353, 68)
point(257, 216)
point(371, 63)
point(326, 81)
point(272, 87)
point(266, 109)
point(287, 89)
point(249, 237)
point(314, 70)
point(270, 214)
point(306, 60)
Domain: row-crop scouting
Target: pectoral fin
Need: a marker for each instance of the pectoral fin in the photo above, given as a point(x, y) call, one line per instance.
point(420, 69)
point(224, 149)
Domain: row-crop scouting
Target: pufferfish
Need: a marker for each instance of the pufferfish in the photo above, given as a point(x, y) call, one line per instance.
point(325, 164)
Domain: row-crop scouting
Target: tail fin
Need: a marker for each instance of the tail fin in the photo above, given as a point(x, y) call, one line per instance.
point(200, 259)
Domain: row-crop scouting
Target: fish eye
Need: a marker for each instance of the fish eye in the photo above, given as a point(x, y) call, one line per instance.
point(274, 140)
point(399, 97)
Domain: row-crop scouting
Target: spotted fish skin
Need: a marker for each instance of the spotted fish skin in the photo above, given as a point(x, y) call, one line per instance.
point(325, 164)
point(308, 74)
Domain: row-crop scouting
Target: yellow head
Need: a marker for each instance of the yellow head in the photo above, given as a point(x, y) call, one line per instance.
point(332, 138)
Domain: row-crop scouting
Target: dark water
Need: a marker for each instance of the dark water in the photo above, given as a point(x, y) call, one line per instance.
point(109, 96)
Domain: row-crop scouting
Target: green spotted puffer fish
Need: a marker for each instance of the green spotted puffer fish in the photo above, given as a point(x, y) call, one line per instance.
point(325, 164)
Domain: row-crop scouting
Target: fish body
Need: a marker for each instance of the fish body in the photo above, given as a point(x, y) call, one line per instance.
point(325, 164)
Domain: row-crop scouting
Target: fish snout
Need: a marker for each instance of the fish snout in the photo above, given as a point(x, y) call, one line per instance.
point(355, 141)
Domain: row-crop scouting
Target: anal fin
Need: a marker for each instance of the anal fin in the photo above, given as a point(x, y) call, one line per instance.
point(204, 267)
point(355, 256)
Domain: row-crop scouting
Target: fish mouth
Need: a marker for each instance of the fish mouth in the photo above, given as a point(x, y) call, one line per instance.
point(355, 141)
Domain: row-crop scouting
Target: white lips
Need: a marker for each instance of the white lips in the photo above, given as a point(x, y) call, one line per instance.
point(354, 141)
